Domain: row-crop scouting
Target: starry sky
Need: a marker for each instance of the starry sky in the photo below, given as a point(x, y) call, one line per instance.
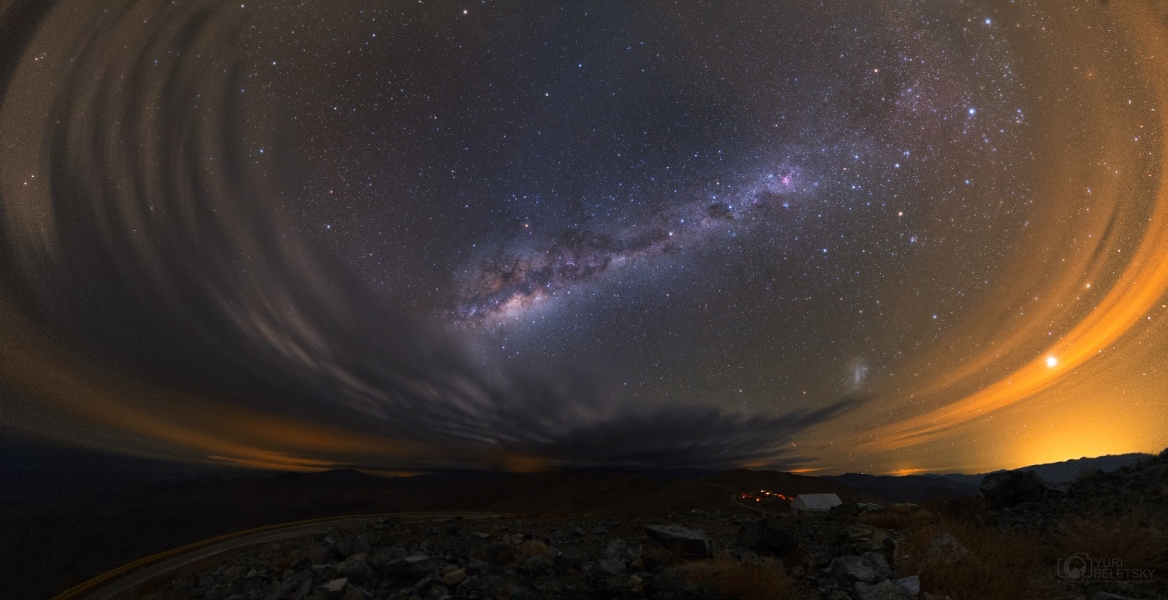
point(886, 237)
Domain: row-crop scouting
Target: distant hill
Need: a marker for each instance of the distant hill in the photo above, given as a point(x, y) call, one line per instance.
point(789, 484)
point(921, 488)
point(908, 488)
point(1068, 471)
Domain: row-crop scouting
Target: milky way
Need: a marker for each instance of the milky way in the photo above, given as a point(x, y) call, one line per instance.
point(887, 236)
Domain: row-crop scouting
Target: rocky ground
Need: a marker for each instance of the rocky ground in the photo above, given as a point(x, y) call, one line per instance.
point(1012, 544)
point(1023, 501)
point(555, 558)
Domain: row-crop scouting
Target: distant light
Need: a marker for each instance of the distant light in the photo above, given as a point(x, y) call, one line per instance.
point(972, 111)
point(988, 21)
point(1051, 362)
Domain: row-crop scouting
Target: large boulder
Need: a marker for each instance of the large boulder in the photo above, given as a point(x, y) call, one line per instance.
point(910, 584)
point(945, 549)
point(691, 541)
point(763, 537)
point(868, 568)
point(852, 568)
point(1011, 488)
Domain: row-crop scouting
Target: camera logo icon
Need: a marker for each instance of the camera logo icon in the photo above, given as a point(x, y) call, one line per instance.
point(1077, 566)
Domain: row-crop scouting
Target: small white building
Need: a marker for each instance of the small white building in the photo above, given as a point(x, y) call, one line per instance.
point(818, 503)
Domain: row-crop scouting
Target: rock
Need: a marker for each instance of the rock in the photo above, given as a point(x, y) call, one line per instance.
point(621, 549)
point(383, 557)
point(334, 589)
point(878, 564)
point(570, 558)
point(289, 585)
point(764, 538)
point(691, 541)
point(492, 585)
point(1011, 488)
point(344, 546)
point(859, 532)
point(880, 541)
point(438, 592)
point(318, 554)
point(885, 590)
point(476, 566)
point(617, 585)
point(454, 577)
point(422, 587)
point(852, 569)
point(946, 549)
point(415, 563)
point(846, 509)
point(536, 564)
point(748, 556)
point(354, 570)
point(911, 585)
point(610, 565)
point(499, 553)
point(353, 594)
point(519, 593)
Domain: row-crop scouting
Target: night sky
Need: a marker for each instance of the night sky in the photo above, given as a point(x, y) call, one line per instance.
point(407, 236)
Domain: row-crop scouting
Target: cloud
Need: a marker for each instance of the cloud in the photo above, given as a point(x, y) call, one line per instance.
point(152, 245)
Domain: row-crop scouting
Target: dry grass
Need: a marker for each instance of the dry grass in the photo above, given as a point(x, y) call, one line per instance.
point(898, 518)
point(666, 555)
point(532, 549)
point(1129, 538)
point(734, 579)
point(1004, 565)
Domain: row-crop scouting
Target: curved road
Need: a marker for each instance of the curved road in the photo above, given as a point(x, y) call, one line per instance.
point(122, 580)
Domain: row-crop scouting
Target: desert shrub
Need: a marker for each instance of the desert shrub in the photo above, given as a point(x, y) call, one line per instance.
point(1005, 565)
point(1129, 538)
point(744, 580)
point(531, 549)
